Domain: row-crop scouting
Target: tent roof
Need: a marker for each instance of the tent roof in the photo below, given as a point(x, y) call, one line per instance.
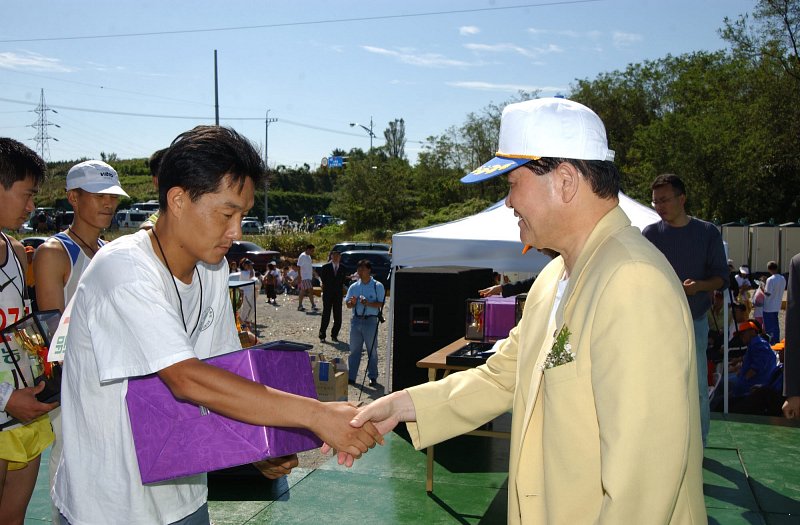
point(489, 239)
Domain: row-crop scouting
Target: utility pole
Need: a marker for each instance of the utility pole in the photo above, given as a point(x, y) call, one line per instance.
point(42, 136)
point(267, 122)
point(216, 91)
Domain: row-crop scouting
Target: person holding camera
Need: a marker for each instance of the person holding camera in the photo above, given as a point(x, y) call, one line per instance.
point(365, 297)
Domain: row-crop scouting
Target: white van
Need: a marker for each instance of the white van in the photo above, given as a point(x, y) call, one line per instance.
point(149, 206)
point(131, 219)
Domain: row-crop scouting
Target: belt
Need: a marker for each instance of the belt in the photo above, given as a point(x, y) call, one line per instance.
point(365, 316)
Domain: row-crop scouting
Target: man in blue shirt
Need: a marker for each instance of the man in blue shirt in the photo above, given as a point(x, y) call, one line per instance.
point(758, 365)
point(365, 297)
point(694, 249)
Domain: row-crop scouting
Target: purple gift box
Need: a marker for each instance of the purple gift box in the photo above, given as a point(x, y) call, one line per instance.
point(499, 317)
point(174, 438)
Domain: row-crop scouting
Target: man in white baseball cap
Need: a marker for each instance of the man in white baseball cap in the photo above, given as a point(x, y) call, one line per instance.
point(93, 190)
point(595, 438)
point(94, 176)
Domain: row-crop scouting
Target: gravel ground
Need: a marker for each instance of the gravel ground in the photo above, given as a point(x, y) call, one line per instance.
point(285, 322)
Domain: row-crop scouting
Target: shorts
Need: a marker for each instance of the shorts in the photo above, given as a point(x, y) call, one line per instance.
point(19, 446)
point(306, 284)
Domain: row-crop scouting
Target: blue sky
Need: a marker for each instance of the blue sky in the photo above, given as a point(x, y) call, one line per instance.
point(316, 65)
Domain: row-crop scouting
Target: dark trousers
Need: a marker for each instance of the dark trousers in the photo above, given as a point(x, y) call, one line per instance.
point(331, 304)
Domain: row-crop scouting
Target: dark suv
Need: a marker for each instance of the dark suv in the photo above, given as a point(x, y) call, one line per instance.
point(381, 263)
point(361, 245)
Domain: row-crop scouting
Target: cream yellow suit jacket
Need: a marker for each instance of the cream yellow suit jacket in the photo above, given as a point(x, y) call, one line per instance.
point(612, 437)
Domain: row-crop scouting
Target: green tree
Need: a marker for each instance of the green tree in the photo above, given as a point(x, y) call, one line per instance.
point(395, 136)
point(374, 195)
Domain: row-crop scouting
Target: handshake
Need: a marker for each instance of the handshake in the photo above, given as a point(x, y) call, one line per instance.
point(364, 426)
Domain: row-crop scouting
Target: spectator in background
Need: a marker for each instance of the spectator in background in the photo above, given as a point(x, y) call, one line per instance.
point(154, 163)
point(791, 353)
point(758, 299)
point(365, 297)
point(332, 276)
point(272, 281)
point(508, 289)
point(758, 365)
point(290, 278)
point(306, 286)
point(773, 301)
point(694, 249)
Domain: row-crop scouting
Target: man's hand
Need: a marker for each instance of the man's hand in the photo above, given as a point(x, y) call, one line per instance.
point(334, 427)
point(385, 413)
point(690, 287)
point(791, 407)
point(492, 290)
point(275, 468)
point(24, 406)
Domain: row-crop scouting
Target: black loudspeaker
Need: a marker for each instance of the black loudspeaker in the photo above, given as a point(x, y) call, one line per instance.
point(429, 313)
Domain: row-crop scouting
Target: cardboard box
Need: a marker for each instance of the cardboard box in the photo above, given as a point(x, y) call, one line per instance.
point(330, 378)
point(174, 438)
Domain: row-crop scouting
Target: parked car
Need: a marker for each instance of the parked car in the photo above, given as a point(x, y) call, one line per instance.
point(254, 252)
point(361, 245)
point(33, 241)
point(381, 263)
point(130, 219)
point(251, 227)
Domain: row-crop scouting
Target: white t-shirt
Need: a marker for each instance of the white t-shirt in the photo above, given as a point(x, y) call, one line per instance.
point(306, 266)
point(776, 284)
point(126, 322)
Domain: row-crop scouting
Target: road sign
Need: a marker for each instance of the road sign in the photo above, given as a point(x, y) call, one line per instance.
point(335, 162)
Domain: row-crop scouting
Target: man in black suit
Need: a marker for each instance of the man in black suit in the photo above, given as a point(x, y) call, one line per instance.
point(791, 356)
point(332, 276)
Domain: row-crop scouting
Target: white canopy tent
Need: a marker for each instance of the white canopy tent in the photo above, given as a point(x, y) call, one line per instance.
point(489, 239)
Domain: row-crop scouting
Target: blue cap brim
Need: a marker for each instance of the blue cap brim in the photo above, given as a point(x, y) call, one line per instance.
point(496, 166)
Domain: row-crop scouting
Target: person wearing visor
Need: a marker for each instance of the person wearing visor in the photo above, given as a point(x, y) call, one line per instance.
point(595, 437)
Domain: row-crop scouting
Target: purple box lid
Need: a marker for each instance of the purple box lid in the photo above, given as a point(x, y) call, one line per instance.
point(499, 316)
point(175, 438)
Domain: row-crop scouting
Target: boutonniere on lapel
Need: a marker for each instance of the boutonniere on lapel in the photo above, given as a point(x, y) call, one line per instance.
point(561, 352)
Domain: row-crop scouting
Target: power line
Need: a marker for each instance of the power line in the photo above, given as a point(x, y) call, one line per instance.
point(295, 24)
point(201, 118)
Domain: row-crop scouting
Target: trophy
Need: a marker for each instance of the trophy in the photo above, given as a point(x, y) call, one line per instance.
point(31, 336)
point(475, 319)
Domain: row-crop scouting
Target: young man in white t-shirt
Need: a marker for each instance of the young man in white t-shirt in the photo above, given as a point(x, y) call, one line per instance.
point(306, 286)
point(776, 284)
point(157, 302)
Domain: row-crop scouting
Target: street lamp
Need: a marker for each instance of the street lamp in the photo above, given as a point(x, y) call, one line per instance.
point(367, 129)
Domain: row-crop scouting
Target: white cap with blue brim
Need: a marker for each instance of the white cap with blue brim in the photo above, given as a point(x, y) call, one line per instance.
point(545, 127)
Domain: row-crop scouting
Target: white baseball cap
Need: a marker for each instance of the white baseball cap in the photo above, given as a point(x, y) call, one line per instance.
point(545, 127)
point(94, 176)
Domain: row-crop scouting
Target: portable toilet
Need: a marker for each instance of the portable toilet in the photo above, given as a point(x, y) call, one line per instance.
point(790, 244)
point(765, 240)
point(737, 236)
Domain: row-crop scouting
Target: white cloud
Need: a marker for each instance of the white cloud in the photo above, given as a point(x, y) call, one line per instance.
point(568, 33)
point(621, 39)
point(408, 56)
point(506, 88)
point(32, 62)
point(513, 48)
point(468, 30)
